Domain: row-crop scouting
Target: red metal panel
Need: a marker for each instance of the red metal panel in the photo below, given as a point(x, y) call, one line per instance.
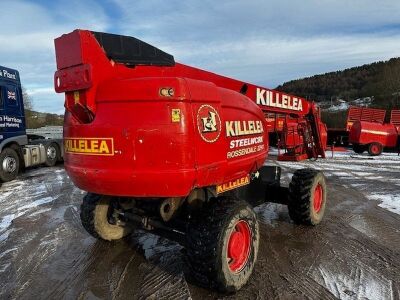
point(395, 119)
point(364, 114)
point(68, 50)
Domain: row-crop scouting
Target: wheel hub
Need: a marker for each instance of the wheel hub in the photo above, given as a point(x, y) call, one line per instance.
point(9, 164)
point(374, 149)
point(318, 198)
point(239, 246)
point(51, 152)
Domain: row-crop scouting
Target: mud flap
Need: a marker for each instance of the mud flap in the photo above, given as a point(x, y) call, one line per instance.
point(264, 187)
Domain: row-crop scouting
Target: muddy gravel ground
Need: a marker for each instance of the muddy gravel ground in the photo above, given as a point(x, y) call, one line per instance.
point(354, 254)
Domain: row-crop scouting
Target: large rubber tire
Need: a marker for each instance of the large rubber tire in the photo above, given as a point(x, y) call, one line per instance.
point(9, 164)
point(53, 154)
point(307, 197)
point(95, 210)
point(359, 149)
point(222, 244)
point(375, 149)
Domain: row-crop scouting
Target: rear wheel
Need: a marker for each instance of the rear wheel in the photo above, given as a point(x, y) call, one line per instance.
point(307, 197)
point(222, 244)
point(357, 148)
point(97, 218)
point(375, 149)
point(9, 164)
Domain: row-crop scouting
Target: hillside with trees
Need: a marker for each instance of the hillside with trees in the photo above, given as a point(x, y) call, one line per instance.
point(378, 82)
point(36, 119)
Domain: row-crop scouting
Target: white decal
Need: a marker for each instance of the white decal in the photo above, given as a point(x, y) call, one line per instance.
point(244, 151)
point(245, 142)
point(10, 122)
point(11, 95)
point(267, 98)
point(209, 122)
point(5, 73)
point(238, 128)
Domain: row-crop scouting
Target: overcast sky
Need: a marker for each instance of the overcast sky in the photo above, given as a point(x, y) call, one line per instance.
point(266, 42)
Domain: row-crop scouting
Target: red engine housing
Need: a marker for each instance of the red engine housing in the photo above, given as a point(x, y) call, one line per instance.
point(143, 132)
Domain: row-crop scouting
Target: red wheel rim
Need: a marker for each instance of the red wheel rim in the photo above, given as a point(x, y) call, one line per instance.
point(239, 246)
point(375, 149)
point(318, 198)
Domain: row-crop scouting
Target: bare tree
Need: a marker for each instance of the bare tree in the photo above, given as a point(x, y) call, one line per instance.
point(28, 101)
point(30, 118)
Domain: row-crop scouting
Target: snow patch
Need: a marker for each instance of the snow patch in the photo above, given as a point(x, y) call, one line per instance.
point(270, 212)
point(388, 201)
point(7, 220)
point(154, 245)
point(340, 106)
point(360, 283)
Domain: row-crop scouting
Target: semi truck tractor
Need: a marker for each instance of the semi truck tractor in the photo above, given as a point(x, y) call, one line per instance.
point(177, 150)
point(17, 150)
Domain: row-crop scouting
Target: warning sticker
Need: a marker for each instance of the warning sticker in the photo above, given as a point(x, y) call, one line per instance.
point(175, 115)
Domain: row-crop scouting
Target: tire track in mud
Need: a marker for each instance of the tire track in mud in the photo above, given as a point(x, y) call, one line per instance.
point(279, 274)
point(373, 228)
point(357, 266)
point(360, 259)
point(353, 253)
point(37, 241)
point(26, 263)
point(163, 276)
point(373, 258)
point(55, 258)
point(87, 266)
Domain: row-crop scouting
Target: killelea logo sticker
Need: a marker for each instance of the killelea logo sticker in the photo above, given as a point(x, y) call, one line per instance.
point(208, 123)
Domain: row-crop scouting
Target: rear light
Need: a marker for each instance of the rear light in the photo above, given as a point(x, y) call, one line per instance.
point(166, 92)
point(73, 79)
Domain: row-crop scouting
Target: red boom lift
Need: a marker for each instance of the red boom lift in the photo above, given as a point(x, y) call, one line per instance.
point(180, 151)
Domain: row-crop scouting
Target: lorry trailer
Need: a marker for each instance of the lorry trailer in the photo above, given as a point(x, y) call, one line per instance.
point(17, 149)
point(179, 151)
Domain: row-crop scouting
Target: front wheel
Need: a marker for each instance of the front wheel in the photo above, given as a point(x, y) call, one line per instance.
point(9, 164)
point(98, 220)
point(307, 197)
point(222, 244)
